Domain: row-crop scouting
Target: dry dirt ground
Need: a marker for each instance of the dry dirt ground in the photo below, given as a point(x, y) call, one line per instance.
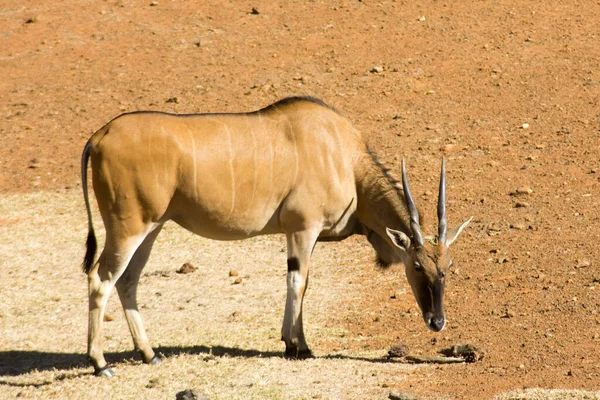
point(508, 91)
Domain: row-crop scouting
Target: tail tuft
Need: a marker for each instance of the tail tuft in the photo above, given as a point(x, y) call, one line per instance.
point(90, 253)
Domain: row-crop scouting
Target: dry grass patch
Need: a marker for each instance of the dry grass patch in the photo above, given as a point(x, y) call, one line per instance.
point(218, 337)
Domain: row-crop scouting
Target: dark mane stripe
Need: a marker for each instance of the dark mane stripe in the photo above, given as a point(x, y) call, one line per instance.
point(280, 103)
point(396, 184)
point(295, 99)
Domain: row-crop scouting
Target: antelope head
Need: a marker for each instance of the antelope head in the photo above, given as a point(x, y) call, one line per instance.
point(427, 259)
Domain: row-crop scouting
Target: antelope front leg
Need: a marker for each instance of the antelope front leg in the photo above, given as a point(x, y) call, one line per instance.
point(300, 246)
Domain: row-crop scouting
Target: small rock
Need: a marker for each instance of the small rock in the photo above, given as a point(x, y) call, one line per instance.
point(525, 126)
point(448, 148)
point(108, 318)
point(190, 394)
point(238, 280)
point(154, 382)
point(508, 314)
point(401, 396)
point(233, 272)
point(399, 350)
point(153, 3)
point(518, 227)
point(524, 190)
point(174, 100)
point(582, 264)
point(254, 11)
point(521, 204)
point(467, 351)
point(186, 268)
point(422, 18)
point(377, 69)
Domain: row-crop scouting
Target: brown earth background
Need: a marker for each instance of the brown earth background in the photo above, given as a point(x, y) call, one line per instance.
point(507, 91)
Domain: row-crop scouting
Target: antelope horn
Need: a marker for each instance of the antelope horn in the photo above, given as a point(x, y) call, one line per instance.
point(412, 208)
point(441, 211)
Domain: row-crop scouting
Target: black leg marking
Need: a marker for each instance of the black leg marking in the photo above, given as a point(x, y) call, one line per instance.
point(293, 264)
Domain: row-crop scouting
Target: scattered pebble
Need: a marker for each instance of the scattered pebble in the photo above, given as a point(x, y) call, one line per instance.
point(108, 317)
point(154, 382)
point(186, 268)
point(190, 394)
point(524, 190)
point(399, 350)
point(525, 126)
point(401, 396)
point(238, 280)
point(582, 263)
point(234, 272)
point(153, 3)
point(377, 69)
point(448, 148)
point(469, 352)
point(254, 11)
point(521, 204)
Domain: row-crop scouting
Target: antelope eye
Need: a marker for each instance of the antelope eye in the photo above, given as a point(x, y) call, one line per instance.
point(418, 266)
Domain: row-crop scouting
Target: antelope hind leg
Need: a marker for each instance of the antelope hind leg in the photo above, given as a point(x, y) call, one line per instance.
point(101, 280)
point(127, 289)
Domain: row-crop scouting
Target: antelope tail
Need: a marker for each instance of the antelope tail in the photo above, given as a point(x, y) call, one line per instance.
point(91, 243)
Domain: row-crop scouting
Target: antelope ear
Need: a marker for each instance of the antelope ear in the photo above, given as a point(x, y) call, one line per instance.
point(400, 239)
point(454, 232)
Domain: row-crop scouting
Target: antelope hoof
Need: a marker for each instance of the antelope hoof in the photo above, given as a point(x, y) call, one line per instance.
point(104, 371)
point(155, 360)
point(305, 354)
point(292, 353)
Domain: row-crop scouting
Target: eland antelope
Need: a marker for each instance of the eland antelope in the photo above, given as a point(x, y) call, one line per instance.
point(296, 167)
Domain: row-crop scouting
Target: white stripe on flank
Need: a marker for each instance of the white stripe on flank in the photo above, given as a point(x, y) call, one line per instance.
point(195, 178)
point(294, 139)
point(254, 160)
point(231, 170)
